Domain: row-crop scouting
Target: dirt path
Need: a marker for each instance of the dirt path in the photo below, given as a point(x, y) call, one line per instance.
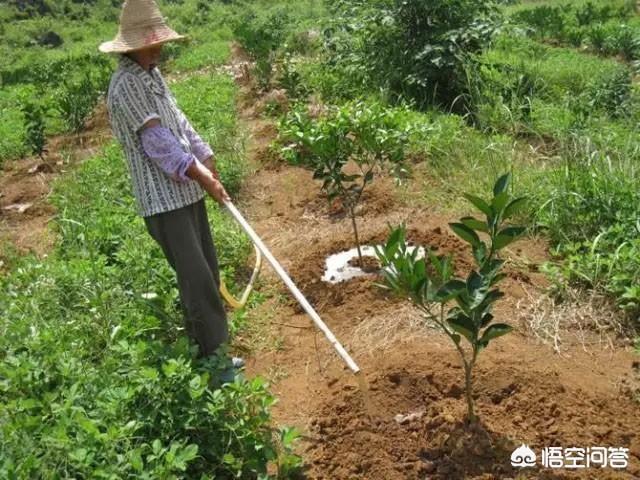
point(526, 392)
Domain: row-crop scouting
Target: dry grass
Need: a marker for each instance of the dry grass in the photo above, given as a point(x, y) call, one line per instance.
point(384, 332)
point(582, 318)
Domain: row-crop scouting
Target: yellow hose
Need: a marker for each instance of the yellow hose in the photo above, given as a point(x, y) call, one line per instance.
point(230, 299)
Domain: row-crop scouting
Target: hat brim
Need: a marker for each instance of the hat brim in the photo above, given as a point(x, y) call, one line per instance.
point(133, 42)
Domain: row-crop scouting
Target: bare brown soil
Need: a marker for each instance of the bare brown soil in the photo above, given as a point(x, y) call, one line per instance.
point(525, 392)
point(368, 264)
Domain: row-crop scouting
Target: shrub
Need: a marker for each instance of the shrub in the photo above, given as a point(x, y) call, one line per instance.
point(35, 138)
point(365, 136)
point(76, 101)
point(431, 285)
point(413, 49)
point(262, 34)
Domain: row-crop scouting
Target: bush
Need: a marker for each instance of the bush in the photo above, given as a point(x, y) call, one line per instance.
point(413, 49)
point(34, 126)
point(262, 34)
point(366, 134)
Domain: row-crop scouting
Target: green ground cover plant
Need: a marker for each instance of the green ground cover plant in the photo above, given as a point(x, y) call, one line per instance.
point(431, 284)
point(128, 398)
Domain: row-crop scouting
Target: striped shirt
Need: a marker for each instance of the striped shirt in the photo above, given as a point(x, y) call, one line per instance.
point(135, 97)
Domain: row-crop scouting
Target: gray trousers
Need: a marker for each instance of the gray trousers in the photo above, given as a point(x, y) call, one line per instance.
point(185, 239)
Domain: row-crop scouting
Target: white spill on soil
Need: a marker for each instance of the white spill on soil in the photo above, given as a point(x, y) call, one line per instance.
point(337, 268)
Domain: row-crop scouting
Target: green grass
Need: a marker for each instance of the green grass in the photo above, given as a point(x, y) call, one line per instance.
point(556, 72)
point(528, 4)
point(215, 120)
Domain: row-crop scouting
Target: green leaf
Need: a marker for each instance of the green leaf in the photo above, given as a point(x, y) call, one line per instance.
point(508, 236)
point(514, 206)
point(479, 203)
point(136, 460)
point(395, 240)
point(288, 436)
point(450, 289)
point(474, 282)
point(493, 296)
point(480, 253)
point(502, 184)
point(486, 319)
point(495, 331)
point(464, 326)
point(465, 233)
point(499, 203)
point(475, 224)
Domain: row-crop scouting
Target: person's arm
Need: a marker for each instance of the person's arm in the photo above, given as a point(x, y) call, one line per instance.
point(201, 149)
point(140, 113)
point(163, 148)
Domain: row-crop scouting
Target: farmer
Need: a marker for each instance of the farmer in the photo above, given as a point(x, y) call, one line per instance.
point(171, 168)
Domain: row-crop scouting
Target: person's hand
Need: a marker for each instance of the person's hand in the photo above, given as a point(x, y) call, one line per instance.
point(208, 182)
point(217, 191)
point(210, 163)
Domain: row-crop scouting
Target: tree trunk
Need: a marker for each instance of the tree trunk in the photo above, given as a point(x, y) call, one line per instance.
point(471, 416)
point(352, 213)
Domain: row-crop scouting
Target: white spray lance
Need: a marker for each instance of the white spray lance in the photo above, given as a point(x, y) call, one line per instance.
point(294, 289)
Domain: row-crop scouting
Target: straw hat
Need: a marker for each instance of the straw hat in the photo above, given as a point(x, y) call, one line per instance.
point(141, 26)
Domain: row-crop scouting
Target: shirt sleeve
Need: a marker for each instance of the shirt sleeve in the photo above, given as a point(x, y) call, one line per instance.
point(135, 103)
point(164, 149)
point(199, 147)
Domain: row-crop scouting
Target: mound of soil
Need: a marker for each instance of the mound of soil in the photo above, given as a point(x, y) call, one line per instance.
point(415, 431)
